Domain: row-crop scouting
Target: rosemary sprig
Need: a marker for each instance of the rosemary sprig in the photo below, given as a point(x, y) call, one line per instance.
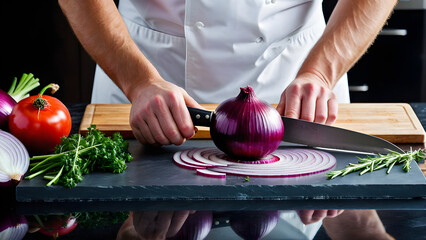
point(370, 164)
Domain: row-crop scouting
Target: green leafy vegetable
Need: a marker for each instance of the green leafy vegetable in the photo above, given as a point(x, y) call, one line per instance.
point(247, 179)
point(25, 85)
point(77, 155)
point(91, 220)
point(370, 164)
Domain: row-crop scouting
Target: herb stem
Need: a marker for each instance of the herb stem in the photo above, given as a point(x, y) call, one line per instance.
point(42, 171)
point(55, 179)
point(370, 164)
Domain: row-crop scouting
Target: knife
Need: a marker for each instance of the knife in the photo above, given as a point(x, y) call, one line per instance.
point(315, 134)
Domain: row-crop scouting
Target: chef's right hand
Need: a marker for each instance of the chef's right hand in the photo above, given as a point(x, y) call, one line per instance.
point(159, 224)
point(159, 115)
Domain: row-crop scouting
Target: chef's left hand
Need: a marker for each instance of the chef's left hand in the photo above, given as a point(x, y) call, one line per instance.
point(310, 98)
point(313, 216)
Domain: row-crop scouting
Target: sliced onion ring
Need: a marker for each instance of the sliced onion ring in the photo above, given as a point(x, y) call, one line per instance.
point(180, 163)
point(296, 162)
point(14, 159)
point(208, 173)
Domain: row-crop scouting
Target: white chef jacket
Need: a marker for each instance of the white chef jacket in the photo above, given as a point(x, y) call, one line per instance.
point(211, 48)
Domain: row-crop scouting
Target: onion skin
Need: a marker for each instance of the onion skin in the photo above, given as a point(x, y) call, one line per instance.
point(12, 226)
point(6, 105)
point(196, 226)
point(253, 225)
point(247, 127)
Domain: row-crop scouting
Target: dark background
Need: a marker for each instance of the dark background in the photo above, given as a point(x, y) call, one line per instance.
point(36, 38)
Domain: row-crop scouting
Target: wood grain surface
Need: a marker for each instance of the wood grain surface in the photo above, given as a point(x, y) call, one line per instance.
point(395, 122)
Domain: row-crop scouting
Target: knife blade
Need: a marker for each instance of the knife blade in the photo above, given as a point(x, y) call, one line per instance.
point(320, 135)
point(315, 134)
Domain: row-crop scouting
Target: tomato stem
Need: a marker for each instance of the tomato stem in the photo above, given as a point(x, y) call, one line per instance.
point(41, 103)
point(53, 86)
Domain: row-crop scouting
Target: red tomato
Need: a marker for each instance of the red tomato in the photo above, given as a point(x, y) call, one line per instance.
point(40, 130)
point(58, 225)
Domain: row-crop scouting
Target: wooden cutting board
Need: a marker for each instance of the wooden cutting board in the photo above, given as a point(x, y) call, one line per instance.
point(395, 122)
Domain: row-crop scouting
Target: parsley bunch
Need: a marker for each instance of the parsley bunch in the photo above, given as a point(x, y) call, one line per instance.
point(77, 155)
point(91, 220)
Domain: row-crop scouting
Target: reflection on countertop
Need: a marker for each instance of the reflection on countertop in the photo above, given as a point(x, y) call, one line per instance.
point(210, 225)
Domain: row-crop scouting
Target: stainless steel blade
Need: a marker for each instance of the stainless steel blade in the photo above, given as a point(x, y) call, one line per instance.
point(319, 135)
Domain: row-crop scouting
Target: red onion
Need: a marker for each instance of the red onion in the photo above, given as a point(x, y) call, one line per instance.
point(197, 226)
point(212, 174)
point(17, 92)
point(253, 225)
point(14, 159)
point(296, 162)
point(6, 105)
point(247, 127)
point(13, 227)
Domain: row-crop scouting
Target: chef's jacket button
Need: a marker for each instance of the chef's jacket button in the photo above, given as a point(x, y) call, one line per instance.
point(199, 24)
point(267, 1)
point(273, 1)
point(259, 39)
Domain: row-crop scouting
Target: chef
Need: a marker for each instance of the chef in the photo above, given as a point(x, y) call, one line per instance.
point(164, 55)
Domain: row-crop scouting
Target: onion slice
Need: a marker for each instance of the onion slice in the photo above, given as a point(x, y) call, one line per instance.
point(208, 173)
point(14, 159)
point(211, 162)
point(13, 227)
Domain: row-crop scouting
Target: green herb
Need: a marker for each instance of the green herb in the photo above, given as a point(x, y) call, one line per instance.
point(25, 85)
point(86, 220)
point(370, 164)
point(90, 220)
point(77, 155)
point(247, 179)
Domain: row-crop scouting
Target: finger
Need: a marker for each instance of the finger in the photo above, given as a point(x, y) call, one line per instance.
point(292, 102)
point(162, 224)
point(168, 125)
point(308, 108)
point(182, 117)
point(157, 131)
point(331, 213)
point(309, 99)
point(321, 110)
point(318, 215)
point(281, 104)
point(138, 135)
point(135, 120)
point(146, 133)
point(142, 221)
point(305, 216)
point(332, 111)
point(179, 218)
point(139, 125)
point(189, 101)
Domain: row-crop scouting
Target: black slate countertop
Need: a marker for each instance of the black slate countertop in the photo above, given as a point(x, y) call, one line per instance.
point(420, 110)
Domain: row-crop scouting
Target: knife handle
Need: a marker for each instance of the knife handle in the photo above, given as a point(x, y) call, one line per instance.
point(200, 117)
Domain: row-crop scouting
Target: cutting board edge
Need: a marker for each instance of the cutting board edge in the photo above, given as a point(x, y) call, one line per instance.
point(86, 121)
point(413, 137)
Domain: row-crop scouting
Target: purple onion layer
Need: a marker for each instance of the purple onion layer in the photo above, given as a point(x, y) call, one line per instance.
point(247, 127)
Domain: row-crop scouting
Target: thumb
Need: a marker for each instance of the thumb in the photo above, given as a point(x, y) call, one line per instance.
point(190, 102)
